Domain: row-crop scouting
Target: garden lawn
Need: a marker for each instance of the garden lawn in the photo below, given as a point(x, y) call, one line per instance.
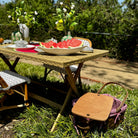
point(38, 119)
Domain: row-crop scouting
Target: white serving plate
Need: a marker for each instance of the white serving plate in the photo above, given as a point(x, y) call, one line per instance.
point(59, 51)
point(21, 48)
point(87, 49)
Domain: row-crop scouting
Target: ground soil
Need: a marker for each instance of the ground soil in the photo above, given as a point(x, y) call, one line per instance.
point(99, 70)
point(105, 69)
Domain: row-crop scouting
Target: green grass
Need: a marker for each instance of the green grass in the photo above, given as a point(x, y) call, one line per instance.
point(38, 119)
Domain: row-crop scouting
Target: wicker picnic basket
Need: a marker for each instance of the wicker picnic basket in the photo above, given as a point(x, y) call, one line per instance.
point(115, 117)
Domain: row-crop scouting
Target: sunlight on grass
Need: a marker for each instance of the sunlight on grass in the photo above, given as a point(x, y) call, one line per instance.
point(38, 119)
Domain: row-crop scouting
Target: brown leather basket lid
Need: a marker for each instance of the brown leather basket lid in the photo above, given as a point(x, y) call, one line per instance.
point(94, 106)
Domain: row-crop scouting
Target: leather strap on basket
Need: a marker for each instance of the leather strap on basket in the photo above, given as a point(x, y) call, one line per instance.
point(122, 103)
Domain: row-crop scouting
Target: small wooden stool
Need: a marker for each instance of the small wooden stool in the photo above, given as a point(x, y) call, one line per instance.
point(93, 106)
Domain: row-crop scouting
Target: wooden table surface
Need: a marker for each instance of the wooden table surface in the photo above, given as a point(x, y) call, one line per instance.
point(58, 61)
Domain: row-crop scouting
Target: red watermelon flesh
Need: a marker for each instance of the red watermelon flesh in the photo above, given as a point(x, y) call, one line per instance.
point(65, 44)
point(54, 45)
point(60, 45)
point(68, 42)
point(42, 44)
point(49, 44)
point(75, 43)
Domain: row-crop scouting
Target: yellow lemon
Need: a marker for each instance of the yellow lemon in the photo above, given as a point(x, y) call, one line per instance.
point(60, 21)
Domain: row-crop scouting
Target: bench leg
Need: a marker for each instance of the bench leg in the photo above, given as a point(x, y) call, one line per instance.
point(11, 67)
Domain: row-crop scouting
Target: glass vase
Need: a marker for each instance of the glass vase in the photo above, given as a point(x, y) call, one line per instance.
point(25, 32)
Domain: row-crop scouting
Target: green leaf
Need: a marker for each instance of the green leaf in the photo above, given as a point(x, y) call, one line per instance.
point(73, 24)
point(60, 27)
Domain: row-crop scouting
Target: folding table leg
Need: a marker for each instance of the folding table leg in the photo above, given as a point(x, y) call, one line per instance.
point(62, 109)
point(72, 79)
point(46, 73)
point(69, 92)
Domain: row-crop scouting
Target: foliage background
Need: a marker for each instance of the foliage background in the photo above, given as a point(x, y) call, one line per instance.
point(104, 22)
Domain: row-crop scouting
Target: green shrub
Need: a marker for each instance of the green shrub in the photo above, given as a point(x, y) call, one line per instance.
point(105, 18)
point(6, 30)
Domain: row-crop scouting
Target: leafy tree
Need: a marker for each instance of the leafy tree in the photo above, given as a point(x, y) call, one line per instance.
point(3, 15)
point(45, 11)
point(102, 16)
point(127, 49)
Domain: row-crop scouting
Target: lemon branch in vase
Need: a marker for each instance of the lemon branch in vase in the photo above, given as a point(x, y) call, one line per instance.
point(66, 18)
point(24, 19)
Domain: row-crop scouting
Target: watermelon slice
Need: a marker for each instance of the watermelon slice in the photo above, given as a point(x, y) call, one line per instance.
point(49, 44)
point(65, 44)
point(42, 44)
point(60, 45)
point(75, 43)
point(45, 45)
point(54, 45)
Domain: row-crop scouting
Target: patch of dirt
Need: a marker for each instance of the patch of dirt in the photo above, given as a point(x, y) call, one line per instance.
point(104, 69)
point(7, 123)
point(6, 129)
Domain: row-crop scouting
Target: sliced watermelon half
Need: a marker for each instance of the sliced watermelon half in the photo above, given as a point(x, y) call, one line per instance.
point(42, 44)
point(60, 45)
point(75, 43)
point(49, 44)
point(54, 45)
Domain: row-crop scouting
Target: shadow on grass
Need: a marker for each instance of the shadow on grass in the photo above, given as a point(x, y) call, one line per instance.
point(43, 114)
point(55, 91)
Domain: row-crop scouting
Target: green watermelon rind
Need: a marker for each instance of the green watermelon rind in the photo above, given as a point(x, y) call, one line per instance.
point(52, 47)
point(42, 44)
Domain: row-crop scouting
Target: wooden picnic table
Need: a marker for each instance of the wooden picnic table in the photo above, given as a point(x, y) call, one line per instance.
point(58, 63)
